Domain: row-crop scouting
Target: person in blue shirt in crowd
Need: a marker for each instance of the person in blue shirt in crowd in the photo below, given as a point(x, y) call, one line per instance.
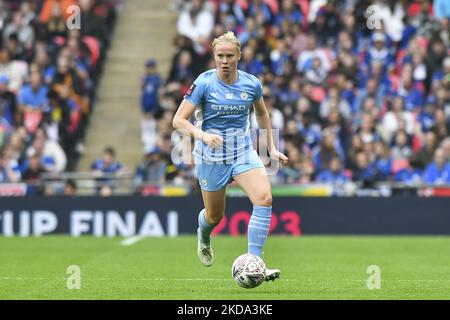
point(289, 11)
point(414, 98)
point(441, 73)
point(333, 175)
point(250, 63)
point(408, 175)
point(152, 168)
point(364, 171)
point(379, 51)
point(328, 148)
point(150, 87)
point(33, 96)
point(309, 129)
point(259, 6)
point(107, 166)
point(383, 161)
point(438, 171)
point(108, 163)
point(33, 101)
point(427, 117)
point(221, 99)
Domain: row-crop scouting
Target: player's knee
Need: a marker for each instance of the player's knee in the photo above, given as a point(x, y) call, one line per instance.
point(264, 199)
point(214, 218)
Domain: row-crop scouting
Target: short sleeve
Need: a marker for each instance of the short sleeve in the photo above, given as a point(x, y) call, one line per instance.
point(196, 91)
point(258, 89)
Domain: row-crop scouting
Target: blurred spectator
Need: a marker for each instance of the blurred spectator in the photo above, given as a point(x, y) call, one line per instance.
point(151, 83)
point(401, 149)
point(383, 161)
point(105, 169)
point(8, 104)
point(364, 171)
point(33, 172)
point(196, 23)
point(426, 153)
point(378, 51)
point(366, 130)
point(438, 171)
point(327, 24)
point(333, 101)
point(70, 188)
point(56, 24)
point(304, 61)
point(408, 175)
point(328, 149)
point(317, 74)
point(9, 167)
point(309, 129)
point(3, 14)
point(32, 101)
point(185, 175)
point(106, 190)
point(249, 63)
point(289, 11)
point(15, 70)
point(107, 164)
point(445, 145)
point(152, 169)
point(53, 158)
point(333, 175)
point(19, 27)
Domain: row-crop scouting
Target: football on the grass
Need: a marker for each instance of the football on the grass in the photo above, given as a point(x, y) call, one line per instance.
point(248, 270)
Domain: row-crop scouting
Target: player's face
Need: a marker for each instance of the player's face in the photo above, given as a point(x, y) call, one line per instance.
point(226, 57)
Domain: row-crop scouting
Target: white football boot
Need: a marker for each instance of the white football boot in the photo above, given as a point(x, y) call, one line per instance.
point(204, 252)
point(272, 274)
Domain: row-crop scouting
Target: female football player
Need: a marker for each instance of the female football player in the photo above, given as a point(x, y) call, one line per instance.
point(221, 99)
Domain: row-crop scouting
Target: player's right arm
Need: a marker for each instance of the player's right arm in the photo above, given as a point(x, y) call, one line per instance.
point(181, 122)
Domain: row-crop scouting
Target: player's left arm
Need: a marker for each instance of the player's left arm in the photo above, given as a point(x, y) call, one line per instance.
point(263, 119)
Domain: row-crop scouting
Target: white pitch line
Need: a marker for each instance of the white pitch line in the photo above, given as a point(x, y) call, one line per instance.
point(130, 241)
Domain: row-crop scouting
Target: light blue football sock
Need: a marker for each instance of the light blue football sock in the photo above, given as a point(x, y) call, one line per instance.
point(205, 228)
point(258, 229)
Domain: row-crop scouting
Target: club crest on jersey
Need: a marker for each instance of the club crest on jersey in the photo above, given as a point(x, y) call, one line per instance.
point(204, 182)
point(244, 95)
point(190, 90)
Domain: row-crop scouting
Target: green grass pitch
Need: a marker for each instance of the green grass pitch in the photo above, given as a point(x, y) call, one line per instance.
point(313, 267)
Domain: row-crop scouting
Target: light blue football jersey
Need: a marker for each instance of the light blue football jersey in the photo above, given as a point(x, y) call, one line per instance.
point(224, 110)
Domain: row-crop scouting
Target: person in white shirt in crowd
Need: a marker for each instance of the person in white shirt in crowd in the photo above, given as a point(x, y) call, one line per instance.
point(53, 157)
point(392, 118)
point(16, 70)
point(196, 23)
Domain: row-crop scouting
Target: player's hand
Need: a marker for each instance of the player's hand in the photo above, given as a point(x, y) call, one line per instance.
point(277, 155)
point(212, 140)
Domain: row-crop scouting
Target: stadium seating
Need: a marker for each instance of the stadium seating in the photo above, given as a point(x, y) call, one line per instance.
point(329, 69)
point(49, 73)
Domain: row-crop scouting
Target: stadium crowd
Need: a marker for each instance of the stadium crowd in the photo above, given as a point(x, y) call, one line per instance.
point(49, 71)
point(358, 93)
